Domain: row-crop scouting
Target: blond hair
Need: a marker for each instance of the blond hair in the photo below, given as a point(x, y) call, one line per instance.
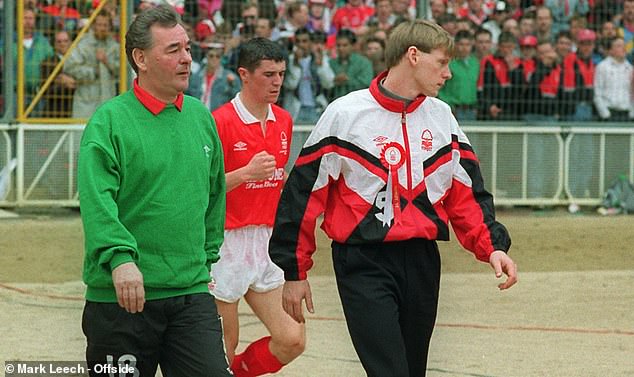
point(424, 35)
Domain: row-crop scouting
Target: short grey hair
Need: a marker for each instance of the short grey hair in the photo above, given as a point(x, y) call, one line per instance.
point(139, 35)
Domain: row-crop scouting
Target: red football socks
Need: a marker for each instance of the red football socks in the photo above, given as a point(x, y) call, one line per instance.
point(256, 360)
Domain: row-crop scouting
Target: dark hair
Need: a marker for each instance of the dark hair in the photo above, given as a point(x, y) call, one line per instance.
point(104, 13)
point(319, 36)
point(507, 37)
point(270, 21)
point(610, 42)
point(564, 34)
point(53, 36)
point(347, 34)
point(139, 35)
point(293, 8)
point(482, 30)
point(253, 51)
point(543, 41)
point(463, 34)
point(303, 31)
point(446, 18)
point(375, 40)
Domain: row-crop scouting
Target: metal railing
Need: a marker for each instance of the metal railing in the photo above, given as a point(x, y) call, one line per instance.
point(521, 164)
point(7, 174)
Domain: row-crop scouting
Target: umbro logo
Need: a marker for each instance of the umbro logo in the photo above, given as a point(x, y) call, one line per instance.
point(380, 141)
point(240, 146)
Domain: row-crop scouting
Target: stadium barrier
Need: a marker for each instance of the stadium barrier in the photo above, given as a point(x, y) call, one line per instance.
point(521, 164)
point(7, 175)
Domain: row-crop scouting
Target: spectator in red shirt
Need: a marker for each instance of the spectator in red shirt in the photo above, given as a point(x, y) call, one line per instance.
point(483, 43)
point(515, 9)
point(578, 79)
point(352, 16)
point(528, 52)
point(59, 16)
point(475, 10)
point(500, 81)
point(563, 44)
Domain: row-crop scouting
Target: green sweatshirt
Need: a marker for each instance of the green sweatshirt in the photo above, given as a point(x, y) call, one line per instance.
point(152, 192)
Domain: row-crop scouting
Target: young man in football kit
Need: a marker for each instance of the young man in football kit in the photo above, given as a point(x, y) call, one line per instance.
point(389, 168)
point(256, 137)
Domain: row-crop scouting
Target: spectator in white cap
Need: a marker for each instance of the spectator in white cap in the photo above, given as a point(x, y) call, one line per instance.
point(494, 22)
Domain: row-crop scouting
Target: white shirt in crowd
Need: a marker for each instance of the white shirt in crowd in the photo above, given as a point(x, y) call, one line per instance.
point(613, 87)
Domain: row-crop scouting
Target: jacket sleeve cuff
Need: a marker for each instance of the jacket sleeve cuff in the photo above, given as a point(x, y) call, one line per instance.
point(119, 259)
point(295, 275)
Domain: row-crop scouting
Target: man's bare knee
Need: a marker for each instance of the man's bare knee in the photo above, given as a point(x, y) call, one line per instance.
point(292, 343)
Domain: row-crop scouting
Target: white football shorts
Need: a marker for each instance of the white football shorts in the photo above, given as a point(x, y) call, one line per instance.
point(244, 264)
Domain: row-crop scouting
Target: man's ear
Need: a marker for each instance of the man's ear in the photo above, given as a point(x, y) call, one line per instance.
point(139, 57)
point(244, 74)
point(412, 55)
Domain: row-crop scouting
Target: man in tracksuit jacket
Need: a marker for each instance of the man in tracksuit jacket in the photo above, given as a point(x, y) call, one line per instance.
point(388, 167)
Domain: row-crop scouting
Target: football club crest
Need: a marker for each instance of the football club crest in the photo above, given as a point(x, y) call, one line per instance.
point(426, 140)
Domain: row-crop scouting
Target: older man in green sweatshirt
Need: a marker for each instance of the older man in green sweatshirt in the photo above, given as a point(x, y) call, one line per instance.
point(152, 187)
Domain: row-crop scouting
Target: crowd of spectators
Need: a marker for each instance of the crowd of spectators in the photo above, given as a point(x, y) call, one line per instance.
point(540, 60)
point(543, 62)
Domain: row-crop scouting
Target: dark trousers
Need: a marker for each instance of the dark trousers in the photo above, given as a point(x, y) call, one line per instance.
point(183, 334)
point(389, 293)
point(618, 116)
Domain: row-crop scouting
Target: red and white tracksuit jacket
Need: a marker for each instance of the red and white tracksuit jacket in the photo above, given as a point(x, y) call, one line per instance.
point(380, 172)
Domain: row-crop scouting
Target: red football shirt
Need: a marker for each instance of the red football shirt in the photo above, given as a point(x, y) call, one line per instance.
point(253, 202)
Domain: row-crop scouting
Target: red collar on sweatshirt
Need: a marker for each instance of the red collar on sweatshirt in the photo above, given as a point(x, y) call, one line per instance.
point(392, 104)
point(153, 104)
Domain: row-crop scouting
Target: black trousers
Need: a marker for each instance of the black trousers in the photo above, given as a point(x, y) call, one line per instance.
point(183, 334)
point(389, 293)
point(618, 116)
